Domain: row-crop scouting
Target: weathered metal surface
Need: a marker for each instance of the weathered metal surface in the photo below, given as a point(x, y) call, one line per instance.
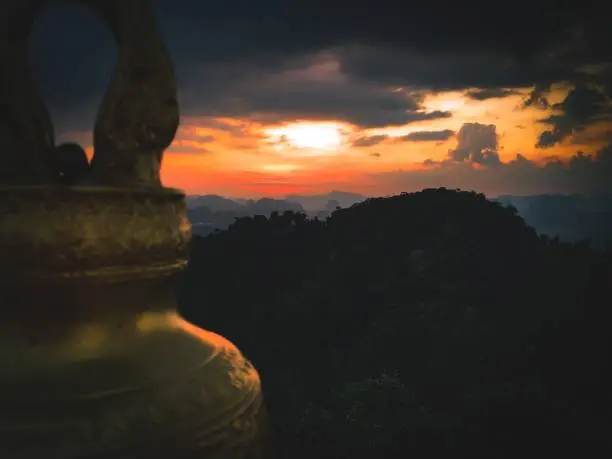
point(60, 232)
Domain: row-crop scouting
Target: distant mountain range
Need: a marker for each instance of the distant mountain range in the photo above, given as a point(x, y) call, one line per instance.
point(211, 212)
point(318, 202)
point(213, 202)
point(570, 217)
point(309, 203)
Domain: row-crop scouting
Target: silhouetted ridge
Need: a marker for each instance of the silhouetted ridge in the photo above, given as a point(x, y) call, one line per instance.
point(435, 323)
point(434, 224)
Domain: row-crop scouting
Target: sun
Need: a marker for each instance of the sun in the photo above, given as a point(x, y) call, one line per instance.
point(307, 135)
point(449, 101)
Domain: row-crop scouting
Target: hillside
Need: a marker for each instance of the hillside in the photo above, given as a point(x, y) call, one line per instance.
point(433, 324)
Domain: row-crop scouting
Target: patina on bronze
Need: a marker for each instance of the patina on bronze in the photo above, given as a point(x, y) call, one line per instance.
point(95, 362)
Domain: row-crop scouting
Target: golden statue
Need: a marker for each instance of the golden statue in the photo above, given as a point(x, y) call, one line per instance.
point(95, 362)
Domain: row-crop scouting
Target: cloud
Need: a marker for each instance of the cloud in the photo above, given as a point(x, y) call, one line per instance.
point(445, 70)
point(490, 93)
point(314, 89)
point(586, 174)
point(304, 28)
point(191, 139)
point(262, 62)
point(538, 96)
point(375, 155)
point(586, 137)
point(582, 107)
point(408, 44)
point(205, 135)
point(237, 129)
point(428, 136)
point(188, 133)
point(417, 136)
point(370, 141)
point(476, 143)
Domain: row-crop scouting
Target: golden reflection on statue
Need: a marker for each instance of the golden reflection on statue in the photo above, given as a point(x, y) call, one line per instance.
point(95, 362)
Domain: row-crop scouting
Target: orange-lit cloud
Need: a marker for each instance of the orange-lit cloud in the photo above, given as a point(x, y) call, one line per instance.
point(340, 105)
point(239, 157)
point(311, 128)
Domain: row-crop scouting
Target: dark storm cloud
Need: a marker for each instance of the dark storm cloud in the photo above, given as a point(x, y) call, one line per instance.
point(272, 27)
point(583, 106)
point(219, 46)
point(445, 70)
point(307, 89)
point(491, 93)
point(365, 107)
point(428, 136)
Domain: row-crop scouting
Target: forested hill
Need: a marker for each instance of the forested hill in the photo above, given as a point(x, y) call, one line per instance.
point(435, 324)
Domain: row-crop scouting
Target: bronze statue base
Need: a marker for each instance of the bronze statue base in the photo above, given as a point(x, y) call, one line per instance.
point(95, 362)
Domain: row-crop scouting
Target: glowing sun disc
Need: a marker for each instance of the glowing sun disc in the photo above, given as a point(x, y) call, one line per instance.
point(318, 136)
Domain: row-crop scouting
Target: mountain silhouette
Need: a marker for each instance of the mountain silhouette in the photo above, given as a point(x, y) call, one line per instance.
point(319, 201)
point(569, 217)
point(213, 202)
point(431, 324)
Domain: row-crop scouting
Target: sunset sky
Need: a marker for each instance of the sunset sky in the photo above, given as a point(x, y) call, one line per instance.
point(375, 101)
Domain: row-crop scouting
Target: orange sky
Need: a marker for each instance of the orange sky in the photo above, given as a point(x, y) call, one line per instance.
point(238, 158)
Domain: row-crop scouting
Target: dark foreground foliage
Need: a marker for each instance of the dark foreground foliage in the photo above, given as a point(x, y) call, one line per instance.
point(433, 324)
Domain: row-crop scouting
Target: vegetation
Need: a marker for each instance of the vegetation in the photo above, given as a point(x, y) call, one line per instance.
point(433, 324)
